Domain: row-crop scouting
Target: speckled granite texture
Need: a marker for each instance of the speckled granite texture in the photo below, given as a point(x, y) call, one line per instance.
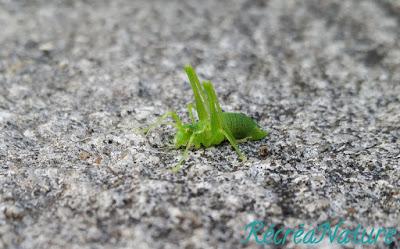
point(77, 78)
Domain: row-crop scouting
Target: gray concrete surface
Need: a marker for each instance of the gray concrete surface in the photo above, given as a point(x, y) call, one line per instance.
point(78, 77)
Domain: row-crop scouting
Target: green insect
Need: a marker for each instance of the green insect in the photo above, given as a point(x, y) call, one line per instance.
point(214, 126)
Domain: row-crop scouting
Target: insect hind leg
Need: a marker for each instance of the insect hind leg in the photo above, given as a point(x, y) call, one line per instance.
point(234, 144)
point(190, 108)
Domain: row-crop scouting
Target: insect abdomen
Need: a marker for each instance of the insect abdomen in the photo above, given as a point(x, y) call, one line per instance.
point(242, 126)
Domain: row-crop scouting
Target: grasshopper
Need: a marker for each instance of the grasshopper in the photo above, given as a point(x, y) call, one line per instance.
point(213, 125)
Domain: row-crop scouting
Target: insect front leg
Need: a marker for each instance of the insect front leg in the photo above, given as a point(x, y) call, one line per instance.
point(177, 167)
point(161, 120)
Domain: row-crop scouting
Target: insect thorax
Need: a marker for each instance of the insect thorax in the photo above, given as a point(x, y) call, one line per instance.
point(203, 135)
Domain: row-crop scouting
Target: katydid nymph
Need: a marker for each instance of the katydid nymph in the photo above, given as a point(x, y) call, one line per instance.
point(213, 125)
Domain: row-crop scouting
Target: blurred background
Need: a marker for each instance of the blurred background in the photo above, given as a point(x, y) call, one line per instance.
point(78, 77)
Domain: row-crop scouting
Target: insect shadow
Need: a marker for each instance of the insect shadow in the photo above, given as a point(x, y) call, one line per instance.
point(213, 126)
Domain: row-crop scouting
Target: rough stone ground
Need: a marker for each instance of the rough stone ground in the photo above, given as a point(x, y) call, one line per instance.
point(78, 77)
